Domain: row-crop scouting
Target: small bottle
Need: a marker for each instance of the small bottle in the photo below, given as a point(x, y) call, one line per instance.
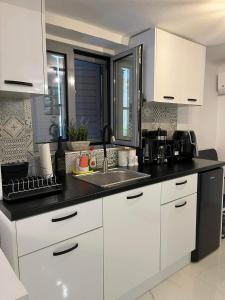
point(83, 164)
point(92, 160)
point(60, 164)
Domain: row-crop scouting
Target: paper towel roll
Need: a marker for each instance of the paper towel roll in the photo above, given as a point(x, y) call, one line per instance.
point(45, 160)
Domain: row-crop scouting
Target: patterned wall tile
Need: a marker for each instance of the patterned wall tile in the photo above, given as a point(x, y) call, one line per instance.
point(112, 154)
point(163, 115)
point(16, 134)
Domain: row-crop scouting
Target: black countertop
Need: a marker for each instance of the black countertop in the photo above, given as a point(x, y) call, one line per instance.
point(77, 191)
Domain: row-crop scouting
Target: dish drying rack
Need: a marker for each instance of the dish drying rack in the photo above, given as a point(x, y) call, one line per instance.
point(29, 187)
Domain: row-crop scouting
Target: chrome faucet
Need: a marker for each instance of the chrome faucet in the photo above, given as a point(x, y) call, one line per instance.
point(111, 139)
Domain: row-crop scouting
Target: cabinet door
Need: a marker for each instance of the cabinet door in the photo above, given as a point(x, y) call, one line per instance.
point(178, 229)
point(131, 223)
point(69, 270)
point(168, 65)
point(193, 73)
point(22, 48)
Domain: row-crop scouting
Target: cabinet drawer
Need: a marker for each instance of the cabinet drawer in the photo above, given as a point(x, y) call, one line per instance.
point(178, 229)
point(179, 188)
point(70, 270)
point(43, 230)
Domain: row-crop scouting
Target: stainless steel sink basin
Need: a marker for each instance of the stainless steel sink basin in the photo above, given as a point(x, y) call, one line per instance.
point(113, 177)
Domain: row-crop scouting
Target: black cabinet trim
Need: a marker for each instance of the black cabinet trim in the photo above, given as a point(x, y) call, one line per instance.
point(15, 82)
point(135, 196)
point(168, 97)
point(181, 183)
point(65, 251)
point(181, 205)
point(65, 217)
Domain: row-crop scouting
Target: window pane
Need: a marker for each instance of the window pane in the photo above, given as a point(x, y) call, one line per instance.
point(125, 122)
point(123, 94)
point(88, 83)
point(49, 112)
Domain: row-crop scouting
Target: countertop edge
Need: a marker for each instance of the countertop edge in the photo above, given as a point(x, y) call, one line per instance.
point(16, 216)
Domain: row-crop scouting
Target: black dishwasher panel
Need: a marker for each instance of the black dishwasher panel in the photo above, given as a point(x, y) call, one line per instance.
point(209, 210)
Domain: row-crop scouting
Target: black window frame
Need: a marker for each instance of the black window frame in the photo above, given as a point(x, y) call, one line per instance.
point(69, 51)
point(66, 87)
point(106, 113)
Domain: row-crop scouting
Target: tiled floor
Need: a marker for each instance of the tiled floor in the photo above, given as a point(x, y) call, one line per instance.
point(204, 280)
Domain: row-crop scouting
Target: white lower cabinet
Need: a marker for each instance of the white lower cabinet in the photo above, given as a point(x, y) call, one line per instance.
point(178, 229)
point(71, 270)
point(131, 222)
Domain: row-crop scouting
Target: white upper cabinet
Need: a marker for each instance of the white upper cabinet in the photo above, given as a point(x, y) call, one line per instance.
point(168, 61)
point(193, 73)
point(174, 68)
point(22, 47)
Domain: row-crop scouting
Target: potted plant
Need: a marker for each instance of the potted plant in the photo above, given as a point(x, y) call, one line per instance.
point(78, 137)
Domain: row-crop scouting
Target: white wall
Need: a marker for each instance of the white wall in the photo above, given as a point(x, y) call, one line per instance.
point(203, 120)
point(220, 137)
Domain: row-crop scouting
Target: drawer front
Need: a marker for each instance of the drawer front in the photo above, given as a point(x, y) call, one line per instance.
point(46, 229)
point(71, 270)
point(178, 229)
point(179, 188)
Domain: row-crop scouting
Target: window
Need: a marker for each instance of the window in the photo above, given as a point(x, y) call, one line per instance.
point(50, 112)
point(124, 93)
point(83, 98)
point(127, 90)
point(91, 92)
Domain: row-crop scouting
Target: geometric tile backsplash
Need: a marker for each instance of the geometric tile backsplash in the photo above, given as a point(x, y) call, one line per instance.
point(159, 115)
point(16, 135)
point(112, 155)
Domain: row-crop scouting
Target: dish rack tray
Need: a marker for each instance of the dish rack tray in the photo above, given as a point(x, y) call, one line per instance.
point(30, 187)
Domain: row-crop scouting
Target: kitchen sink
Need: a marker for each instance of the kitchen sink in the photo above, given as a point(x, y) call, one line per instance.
point(113, 177)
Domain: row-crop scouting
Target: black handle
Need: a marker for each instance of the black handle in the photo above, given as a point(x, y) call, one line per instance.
point(192, 100)
point(18, 82)
point(65, 218)
point(180, 183)
point(65, 251)
point(180, 205)
point(135, 196)
point(168, 97)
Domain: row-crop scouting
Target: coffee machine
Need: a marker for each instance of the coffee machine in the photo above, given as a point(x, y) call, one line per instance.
point(157, 149)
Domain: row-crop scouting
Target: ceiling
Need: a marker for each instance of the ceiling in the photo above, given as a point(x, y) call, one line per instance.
point(202, 21)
